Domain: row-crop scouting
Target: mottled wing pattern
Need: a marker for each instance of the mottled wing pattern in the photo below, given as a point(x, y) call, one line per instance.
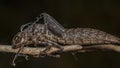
point(89, 36)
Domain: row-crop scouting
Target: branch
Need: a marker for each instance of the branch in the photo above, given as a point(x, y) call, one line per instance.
point(36, 51)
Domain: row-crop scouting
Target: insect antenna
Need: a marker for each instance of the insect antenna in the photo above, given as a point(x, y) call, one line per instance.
point(30, 23)
point(38, 19)
point(24, 26)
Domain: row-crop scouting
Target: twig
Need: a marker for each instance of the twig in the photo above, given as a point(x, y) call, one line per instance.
point(108, 47)
point(36, 51)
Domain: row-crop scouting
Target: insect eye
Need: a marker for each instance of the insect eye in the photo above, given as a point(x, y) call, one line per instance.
point(17, 37)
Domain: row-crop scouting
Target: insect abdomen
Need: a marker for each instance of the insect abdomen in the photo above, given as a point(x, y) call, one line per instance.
point(85, 36)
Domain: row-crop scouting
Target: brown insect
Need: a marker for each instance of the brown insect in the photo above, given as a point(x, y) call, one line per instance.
point(51, 33)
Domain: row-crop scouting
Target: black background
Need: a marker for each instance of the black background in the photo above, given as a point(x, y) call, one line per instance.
point(99, 14)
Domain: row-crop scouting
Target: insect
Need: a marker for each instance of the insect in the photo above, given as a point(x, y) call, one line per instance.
point(51, 33)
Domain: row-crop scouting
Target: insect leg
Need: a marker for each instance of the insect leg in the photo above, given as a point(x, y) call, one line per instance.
point(56, 45)
point(17, 54)
point(56, 55)
point(52, 24)
point(48, 46)
point(74, 55)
